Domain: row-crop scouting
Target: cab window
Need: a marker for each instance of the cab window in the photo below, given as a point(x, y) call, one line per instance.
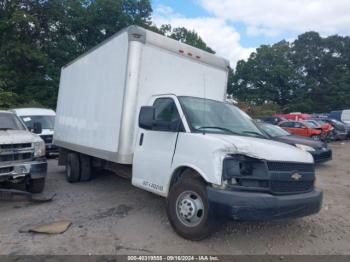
point(166, 111)
point(298, 125)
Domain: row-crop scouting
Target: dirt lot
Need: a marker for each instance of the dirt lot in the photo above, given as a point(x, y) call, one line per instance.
point(111, 217)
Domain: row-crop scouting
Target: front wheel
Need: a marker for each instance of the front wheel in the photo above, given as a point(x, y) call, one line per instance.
point(188, 209)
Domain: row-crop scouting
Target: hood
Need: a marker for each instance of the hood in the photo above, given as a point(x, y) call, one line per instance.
point(17, 137)
point(294, 139)
point(265, 149)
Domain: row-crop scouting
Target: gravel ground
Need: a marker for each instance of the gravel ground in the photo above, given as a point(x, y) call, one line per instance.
point(110, 216)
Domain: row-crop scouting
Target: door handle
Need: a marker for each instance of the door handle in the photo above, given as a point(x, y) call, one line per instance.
point(141, 139)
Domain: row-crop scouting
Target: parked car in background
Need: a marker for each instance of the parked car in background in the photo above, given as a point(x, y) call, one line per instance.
point(294, 116)
point(327, 129)
point(46, 117)
point(302, 129)
point(318, 149)
point(341, 130)
point(273, 119)
point(22, 154)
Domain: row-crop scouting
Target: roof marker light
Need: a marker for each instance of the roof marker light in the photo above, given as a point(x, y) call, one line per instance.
point(181, 51)
point(190, 54)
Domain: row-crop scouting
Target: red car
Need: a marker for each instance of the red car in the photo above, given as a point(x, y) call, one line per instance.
point(326, 128)
point(302, 129)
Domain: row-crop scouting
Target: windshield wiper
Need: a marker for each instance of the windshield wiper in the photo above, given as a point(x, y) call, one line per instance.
point(6, 128)
point(219, 127)
point(254, 133)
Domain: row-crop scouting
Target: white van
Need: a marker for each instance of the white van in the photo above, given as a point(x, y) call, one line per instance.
point(341, 115)
point(46, 117)
point(153, 109)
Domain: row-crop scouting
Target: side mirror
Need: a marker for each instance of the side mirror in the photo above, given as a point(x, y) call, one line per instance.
point(37, 128)
point(146, 117)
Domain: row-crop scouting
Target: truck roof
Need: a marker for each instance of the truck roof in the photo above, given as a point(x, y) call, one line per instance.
point(145, 36)
point(33, 112)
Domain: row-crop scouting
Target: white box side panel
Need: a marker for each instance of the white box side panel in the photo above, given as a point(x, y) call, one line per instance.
point(164, 72)
point(90, 98)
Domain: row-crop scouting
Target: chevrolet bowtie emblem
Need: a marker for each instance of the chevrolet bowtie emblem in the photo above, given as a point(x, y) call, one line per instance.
point(296, 176)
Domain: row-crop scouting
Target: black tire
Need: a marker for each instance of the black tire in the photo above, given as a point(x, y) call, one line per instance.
point(85, 168)
point(73, 168)
point(35, 185)
point(205, 227)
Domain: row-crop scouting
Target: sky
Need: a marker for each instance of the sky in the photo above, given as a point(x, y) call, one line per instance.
point(235, 28)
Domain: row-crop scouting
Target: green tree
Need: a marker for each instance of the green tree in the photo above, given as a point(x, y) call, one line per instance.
point(268, 76)
point(38, 37)
point(311, 74)
point(186, 36)
point(325, 63)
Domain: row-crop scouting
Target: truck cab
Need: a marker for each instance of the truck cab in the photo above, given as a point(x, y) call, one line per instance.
point(22, 154)
point(208, 158)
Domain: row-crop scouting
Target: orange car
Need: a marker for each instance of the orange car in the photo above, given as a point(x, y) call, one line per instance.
point(302, 129)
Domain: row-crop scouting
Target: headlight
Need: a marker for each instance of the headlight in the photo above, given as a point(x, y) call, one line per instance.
point(305, 147)
point(238, 166)
point(39, 149)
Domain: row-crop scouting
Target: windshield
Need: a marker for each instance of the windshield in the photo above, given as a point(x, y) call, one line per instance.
point(10, 122)
point(311, 124)
point(211, 116)
point(321, 122)
point(47, 122)
point(273, 131)
point(337, 123)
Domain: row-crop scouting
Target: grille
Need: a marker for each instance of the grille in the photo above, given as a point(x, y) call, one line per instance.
point(16, 146)
point(285, 166)
point(47, 139)
point(15, 157)
point(290, 186)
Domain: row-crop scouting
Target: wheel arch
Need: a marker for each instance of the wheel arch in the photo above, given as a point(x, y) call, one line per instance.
point(179, 172)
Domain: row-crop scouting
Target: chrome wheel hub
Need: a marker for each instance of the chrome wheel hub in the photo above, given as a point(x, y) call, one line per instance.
point(189, 208)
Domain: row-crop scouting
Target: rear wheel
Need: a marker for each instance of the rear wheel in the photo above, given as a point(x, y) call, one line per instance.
point(35, 185)
point(85, 168)
point(188, 209)
point(73, 168)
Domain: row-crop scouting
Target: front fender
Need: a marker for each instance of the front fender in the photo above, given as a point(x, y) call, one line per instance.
point(203, 154)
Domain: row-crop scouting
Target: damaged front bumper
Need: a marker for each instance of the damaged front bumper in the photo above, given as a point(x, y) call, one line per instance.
point(240, 205)
point(34, 169)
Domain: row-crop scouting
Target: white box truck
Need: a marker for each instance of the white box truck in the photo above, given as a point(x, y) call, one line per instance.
point(153, 109)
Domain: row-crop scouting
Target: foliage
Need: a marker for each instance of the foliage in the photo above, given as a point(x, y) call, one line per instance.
point(309, 75)
point(37, 37)
point(7, 99)
point(184, 35)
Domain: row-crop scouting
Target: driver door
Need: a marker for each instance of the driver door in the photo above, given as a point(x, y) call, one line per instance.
point(155, 149)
